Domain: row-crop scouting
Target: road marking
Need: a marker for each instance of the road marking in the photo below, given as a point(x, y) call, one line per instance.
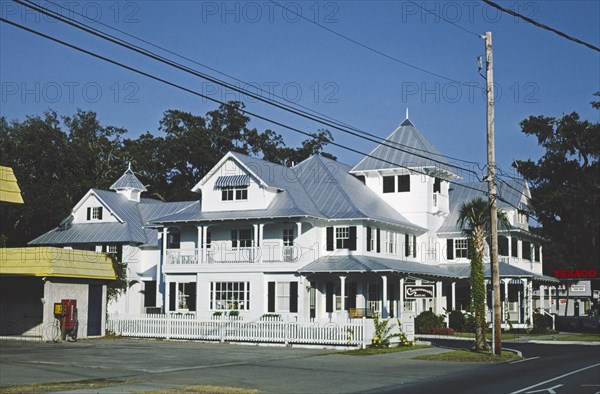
point(525, 359)
point(550, 390)
point(556, 378)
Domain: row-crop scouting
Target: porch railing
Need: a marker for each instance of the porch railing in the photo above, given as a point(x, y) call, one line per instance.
point(219, 254)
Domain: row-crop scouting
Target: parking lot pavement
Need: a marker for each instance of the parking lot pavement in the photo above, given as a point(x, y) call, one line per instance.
point(154, 365)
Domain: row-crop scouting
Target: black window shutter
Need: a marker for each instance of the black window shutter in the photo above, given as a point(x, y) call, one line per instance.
point(191, 287)
point(100, 213)
point(378, 241)
point(406, 246)
point(368, 239)
point(172, 296)
point(271, 297)
point(414, 243)
point(234, 238)
point(351, 295)
point(89, 213)
point(329, 238)
point(293, 297)
point(352, 240)
point(450, 248)
point(329, 297)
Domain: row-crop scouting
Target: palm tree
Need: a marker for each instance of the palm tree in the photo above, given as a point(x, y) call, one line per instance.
point(474, 220)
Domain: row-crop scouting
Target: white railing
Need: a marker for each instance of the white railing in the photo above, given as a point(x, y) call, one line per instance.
point(182, 256)
point(219, 253)
point(224, 328)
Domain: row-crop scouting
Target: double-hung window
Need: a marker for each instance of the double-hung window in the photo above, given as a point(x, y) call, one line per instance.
point(230, 295)
point(461, 248)
point(342, 237)
point(241, 238)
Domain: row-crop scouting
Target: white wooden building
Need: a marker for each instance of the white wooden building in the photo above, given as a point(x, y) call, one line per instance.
point(319, 240)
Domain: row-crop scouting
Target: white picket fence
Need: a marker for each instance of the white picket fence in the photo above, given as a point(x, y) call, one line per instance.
point(354, 332)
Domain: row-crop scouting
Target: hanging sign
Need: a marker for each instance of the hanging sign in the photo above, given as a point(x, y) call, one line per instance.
point(413, 291)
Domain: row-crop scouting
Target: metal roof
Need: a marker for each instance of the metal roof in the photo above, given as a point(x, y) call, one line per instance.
point(9, 188)
point(406, 147)
point(318, 187)
point(134, 217)
point(464, 192)
point(360, 263)
point(128, 181)
point(56, 262)
point(506, 271)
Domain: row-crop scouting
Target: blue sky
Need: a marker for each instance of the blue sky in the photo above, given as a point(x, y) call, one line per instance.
point(536, 71)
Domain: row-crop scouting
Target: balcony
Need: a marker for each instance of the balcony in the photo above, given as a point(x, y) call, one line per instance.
point(218, 254)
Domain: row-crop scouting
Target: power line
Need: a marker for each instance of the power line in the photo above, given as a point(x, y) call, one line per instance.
point(378, 52)
point(247, 83)
point(444, 19)
point(189, 70)
point(193, 92)
point(541, 25)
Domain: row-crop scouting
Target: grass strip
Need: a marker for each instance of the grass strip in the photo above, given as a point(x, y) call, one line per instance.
point(370, 351)
point(61, 386)
point(469, 356)
point(206, 389)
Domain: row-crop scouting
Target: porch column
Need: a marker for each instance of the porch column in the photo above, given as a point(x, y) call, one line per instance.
point(418, 302)
point(540, 256)
point(204, 246)
point(542, 298)
point(254, 247)
point(159, 269)
point(259, 249)
point(519, 250)
point(167, 295)
point(509, 248)
point(401, 300)
point(198, 296)
point(384, 308)
point(343, 295)
point(529, 294)
point(453, 295)
point(199, 243)
point(438, 297)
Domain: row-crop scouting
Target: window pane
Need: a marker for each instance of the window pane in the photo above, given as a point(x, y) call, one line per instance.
point(403, 183)
point(388, 184)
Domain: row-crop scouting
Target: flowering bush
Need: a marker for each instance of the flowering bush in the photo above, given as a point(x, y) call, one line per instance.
point(439, 331)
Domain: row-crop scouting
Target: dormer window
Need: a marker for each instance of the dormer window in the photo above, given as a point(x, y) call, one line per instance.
point(230, 194)
point(94, 213)
point(403, 183)
point(233, 187)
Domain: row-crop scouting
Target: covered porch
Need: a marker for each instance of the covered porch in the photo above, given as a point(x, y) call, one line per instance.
point(343, 287)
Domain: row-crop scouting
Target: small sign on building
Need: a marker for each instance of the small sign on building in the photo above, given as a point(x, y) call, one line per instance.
point(422, 291)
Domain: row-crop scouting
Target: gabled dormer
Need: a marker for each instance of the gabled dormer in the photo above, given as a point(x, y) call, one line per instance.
point(409, 173)
point(238, 183)
point(129, 186)
point(92, 208)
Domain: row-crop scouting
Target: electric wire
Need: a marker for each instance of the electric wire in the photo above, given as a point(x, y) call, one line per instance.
point(181, 67)
point(193, 92)
point(541, 25)
point(376, 51)
point(258, 87)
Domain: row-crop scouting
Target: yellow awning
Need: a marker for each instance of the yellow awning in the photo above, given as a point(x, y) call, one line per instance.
point(9, 188)
point(57, 262)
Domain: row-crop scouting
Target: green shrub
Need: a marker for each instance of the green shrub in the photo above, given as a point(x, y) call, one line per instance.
point(457, 320)
point(427, 321)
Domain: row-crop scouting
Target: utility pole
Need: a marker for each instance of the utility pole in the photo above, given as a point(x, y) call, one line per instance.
point(497, 319)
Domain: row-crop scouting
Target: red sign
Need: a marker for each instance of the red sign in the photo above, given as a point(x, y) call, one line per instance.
point(563, 274)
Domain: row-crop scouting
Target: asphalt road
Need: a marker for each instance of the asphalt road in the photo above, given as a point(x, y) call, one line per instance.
point(155, 365)
point(560, 369)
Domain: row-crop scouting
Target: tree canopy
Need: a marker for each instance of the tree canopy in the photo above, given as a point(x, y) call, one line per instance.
point(57, 159)
point(565, 188)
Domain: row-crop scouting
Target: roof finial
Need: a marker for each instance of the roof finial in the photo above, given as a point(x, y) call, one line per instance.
point(129, 166)
point(406, 112)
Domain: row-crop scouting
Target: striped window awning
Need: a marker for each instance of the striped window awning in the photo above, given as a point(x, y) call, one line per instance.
point(232, 181)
